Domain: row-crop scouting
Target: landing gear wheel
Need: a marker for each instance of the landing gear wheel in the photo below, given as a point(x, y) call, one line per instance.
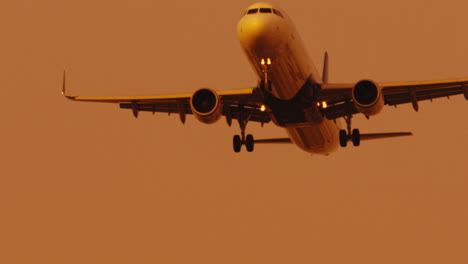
point(343, 138)
point(356, 137)
point(249, 143)
point(237, 143)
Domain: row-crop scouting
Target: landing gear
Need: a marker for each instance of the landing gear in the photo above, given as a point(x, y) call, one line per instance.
point(356, 137)
point(263, 89)
point(343, 138)
point(237, 143)
point(242, 139)
point(249, 143)
point(345, 135)
point(265, 83)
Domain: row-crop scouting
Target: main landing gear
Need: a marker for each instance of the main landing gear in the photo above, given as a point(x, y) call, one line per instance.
point(238, 141)
point(242, 139)
point(345, 135)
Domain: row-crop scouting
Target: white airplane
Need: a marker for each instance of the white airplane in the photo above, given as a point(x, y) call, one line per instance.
point(290, 92)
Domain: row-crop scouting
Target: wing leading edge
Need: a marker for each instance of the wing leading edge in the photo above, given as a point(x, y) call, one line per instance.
point(234, 103)
point(339, 98)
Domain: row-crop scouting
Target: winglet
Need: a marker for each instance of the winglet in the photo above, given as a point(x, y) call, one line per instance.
point(63, 84)
point(64, 92)
point(325, 68)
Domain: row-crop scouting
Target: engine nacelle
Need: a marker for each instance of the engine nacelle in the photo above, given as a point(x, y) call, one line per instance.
point(368, 97)
point(206, 106)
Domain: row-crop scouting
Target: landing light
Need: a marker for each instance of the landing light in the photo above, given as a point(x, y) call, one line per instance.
point(262, 108)
point(267, 62)
point(324, 105)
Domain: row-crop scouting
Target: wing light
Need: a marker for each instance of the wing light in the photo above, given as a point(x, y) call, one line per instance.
point(262, 108)
point(322, 104)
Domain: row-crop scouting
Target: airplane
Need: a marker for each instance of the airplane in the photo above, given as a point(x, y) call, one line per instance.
point(290, 92)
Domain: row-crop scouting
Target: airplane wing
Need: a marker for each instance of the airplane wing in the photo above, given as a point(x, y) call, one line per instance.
point(339, 98)
point(234, 104)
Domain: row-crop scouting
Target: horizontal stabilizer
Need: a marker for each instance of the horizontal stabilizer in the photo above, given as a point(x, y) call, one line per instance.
point(299, 125)
point(273, 141)
point(384, 135)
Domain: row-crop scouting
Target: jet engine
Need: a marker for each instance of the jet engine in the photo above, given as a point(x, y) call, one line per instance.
point(368, 97)
point(205, 105)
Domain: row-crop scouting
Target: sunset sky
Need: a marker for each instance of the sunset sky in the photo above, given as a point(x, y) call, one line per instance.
point(88, 183)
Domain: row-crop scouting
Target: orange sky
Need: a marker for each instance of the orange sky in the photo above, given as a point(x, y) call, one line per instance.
point(87, 183)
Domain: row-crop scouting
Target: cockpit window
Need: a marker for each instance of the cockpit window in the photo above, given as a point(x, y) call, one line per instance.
point(252, 11)
point(265, 10)
point(277, 12)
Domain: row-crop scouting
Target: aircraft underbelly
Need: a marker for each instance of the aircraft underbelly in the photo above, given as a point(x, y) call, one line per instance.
point(318, 139)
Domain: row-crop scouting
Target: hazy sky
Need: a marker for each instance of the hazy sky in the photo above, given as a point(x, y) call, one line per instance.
point(87, 183)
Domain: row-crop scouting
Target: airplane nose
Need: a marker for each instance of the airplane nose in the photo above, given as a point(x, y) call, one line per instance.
point(255, 31)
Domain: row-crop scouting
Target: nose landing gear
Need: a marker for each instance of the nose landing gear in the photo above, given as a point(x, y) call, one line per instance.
point(265, 83)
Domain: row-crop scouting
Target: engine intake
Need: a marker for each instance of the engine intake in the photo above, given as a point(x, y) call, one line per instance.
point(367, 97)
point(205, 105)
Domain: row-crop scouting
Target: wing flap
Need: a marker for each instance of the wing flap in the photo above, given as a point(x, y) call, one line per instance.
point(401, 95)
point(339, 110)
point(406, 92)
point(250, 113)
point(163, 107)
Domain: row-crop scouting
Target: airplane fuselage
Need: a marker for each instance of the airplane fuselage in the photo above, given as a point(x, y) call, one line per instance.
point(268, 36)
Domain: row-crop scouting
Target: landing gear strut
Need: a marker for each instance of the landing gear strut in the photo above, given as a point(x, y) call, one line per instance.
point(265, 83)
point(242, 139)
point(345, 135)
